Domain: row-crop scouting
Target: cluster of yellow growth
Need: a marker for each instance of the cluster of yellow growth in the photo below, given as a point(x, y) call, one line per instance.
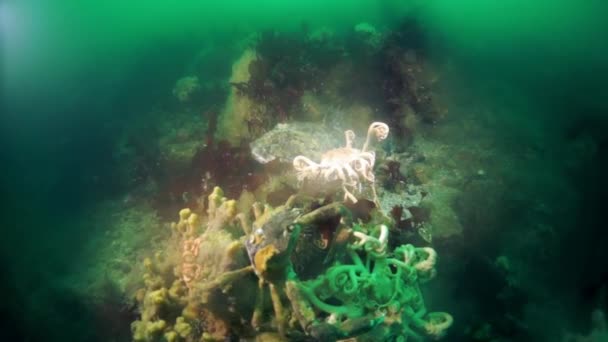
point(181, 330)
point(191, 286)
point(157, 301)
point(147, 331)
point(188, 228)
point(165, 295)
point(152, 278)
point(221, 212)
point(237, 112)
point(157, 272)
point(220, 247)
point(189, 223)
point(205, 252)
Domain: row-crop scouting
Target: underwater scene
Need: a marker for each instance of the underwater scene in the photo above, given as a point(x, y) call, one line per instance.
point(266, 171)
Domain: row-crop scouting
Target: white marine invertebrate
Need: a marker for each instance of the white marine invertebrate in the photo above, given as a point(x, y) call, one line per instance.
point(348, 165)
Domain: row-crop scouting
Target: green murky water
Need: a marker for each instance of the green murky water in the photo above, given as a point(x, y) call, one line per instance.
point(117, 116)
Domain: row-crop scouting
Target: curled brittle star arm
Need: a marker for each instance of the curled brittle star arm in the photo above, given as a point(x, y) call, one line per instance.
point(379, 129)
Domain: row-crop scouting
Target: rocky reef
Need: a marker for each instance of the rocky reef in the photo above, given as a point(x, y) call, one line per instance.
point(302, 270)
point(317, 267)
point(297, 216)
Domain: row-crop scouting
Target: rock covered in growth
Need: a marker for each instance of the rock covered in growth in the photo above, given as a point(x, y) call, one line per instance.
point(286, 141)
point(185, 86)
point(203, 286)
point(410, 197)
point(187, 290)
point(239, 110)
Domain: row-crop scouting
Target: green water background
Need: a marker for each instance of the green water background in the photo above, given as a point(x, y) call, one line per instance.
point(71, 70)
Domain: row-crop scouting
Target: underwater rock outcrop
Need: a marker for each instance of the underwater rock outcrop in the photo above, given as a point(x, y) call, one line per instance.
point(240, 114)
point(184, 87)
